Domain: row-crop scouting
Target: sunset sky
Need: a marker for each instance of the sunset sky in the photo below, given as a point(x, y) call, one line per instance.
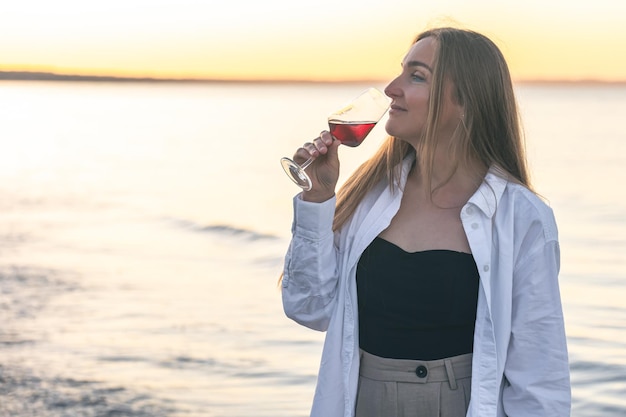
point(294, 39)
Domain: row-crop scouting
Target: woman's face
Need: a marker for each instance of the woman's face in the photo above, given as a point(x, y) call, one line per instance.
point(410, 94)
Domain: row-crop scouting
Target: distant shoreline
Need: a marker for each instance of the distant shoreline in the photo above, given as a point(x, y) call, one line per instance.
point(51, 76)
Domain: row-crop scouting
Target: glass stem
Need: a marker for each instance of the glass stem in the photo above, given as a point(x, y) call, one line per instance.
point(306, 163)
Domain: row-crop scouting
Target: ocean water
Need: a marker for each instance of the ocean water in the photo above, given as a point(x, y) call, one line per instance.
point(143, 227)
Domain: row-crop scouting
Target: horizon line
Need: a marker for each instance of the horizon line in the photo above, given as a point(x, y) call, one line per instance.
point(55, 76)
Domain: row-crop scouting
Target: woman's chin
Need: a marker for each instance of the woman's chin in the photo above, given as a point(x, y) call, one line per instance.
point(389, 128)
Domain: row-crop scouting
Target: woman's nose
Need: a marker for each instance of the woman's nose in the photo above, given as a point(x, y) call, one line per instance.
point(392, 89)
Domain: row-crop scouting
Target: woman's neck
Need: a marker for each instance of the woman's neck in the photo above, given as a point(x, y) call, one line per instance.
point(451, 184)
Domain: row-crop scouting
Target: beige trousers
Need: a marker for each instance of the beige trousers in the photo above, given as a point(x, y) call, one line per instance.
point(411, 388)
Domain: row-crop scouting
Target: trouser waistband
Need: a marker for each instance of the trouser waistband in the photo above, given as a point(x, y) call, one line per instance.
point(416, 371)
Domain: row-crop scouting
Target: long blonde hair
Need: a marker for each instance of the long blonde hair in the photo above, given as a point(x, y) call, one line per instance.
point(491, 133)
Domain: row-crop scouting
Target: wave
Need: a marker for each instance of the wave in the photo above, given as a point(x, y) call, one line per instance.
point(27, 290)
point(598, 388)
point(36, 394)
point(204, 364)
point(224, 230)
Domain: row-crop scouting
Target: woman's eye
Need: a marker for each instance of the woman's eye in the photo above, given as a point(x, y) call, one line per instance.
point(417, 77)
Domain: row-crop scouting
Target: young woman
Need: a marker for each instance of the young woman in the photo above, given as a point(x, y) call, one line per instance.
point(434, 271)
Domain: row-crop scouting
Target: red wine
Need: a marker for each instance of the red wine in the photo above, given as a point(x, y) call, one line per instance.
point(350, 133)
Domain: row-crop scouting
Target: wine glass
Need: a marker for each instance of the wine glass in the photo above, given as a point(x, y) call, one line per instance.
point(349, 125)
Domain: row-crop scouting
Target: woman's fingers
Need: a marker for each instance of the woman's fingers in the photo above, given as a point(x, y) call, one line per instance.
point(318, 147)
point(326, 137)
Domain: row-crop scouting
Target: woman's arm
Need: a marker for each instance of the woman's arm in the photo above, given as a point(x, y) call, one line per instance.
point(537, 370)
point(310, 275)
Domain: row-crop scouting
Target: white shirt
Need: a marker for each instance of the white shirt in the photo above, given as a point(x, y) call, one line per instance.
point(520, 364)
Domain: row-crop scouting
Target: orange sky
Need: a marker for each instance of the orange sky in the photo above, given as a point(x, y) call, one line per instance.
point(287, 39)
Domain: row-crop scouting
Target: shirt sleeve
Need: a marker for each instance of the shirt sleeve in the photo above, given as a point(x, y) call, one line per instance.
point(310, 274)
point(537, 380)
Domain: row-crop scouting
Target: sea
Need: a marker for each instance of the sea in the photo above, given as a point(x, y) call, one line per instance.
point(143, 228)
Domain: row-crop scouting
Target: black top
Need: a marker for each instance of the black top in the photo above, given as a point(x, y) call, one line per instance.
point(419, 305)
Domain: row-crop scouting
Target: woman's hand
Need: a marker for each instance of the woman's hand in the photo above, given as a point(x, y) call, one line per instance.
point(324, 171)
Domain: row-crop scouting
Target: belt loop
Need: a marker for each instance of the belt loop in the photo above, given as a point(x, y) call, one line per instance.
point(450, 372)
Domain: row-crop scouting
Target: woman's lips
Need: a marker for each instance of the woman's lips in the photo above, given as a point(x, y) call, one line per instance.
point(394, 108)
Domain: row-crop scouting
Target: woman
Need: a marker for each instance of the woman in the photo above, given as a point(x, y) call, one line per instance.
point(435, 271)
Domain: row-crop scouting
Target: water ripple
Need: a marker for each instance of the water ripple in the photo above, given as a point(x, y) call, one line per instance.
point(224, 230)
point(26, 291)
point(25, 394)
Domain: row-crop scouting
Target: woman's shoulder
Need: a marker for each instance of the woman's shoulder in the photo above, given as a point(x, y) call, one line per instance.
point(529, 209)
point(524, 197)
